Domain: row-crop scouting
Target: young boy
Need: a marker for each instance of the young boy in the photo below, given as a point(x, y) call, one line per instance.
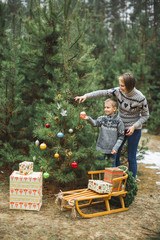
point(112, 129)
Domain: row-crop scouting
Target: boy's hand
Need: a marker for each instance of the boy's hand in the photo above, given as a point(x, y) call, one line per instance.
point(81, 98)
point(84, 118)
point(113, 151)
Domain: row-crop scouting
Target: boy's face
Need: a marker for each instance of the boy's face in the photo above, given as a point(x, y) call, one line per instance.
point(109, 109)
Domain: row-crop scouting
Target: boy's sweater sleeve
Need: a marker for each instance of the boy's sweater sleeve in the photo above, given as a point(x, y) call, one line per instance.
point(101, 93)
point(144, 114)
point(94, 123)
point(120, 137)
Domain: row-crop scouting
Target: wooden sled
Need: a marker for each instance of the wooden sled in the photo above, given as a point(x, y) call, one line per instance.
point(78, 199)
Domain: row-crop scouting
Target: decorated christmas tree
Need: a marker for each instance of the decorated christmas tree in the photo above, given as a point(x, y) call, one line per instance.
point(64, 145)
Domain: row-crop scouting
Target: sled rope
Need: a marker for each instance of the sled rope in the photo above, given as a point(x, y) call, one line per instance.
point(73, 213)
point(72, 203)
point(59, 196)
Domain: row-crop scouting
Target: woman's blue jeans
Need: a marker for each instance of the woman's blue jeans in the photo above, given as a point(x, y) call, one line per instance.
point(133, 141)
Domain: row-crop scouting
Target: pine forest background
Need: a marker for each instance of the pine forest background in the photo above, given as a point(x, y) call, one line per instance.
point(54, 50)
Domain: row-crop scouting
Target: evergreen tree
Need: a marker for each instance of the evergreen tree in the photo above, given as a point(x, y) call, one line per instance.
point(153, 83)
point(52, 51)
point(10, 103)
point(62, 67)
point(147, 14)
point(3, 38)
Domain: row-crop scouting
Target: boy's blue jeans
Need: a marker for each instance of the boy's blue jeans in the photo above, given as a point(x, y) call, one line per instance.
point(108, 156)
point(133, 141)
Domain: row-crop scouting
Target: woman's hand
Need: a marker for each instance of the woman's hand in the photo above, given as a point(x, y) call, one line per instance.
point(81, 98)
point(113, 151)
point(130, 131)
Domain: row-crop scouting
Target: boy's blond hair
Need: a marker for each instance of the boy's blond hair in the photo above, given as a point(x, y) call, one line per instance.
point(112, 101)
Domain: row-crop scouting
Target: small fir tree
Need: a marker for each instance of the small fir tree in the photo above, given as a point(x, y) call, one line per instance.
point(69, 70)
point(11, 121)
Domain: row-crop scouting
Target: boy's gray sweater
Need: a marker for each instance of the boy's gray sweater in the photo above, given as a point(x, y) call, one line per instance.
point(111, 134)
point(133, 108)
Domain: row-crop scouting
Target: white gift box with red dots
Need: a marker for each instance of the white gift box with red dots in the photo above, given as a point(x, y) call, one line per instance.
point(26, 168)
point(26, 191)
point(100, 186)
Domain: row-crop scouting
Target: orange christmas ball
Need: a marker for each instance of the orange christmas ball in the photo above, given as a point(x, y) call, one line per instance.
point(56, 155)
point(82, 115)
point(43, 146)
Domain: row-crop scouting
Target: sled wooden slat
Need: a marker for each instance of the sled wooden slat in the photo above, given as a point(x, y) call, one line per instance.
point(82, 198)
point(85, 193)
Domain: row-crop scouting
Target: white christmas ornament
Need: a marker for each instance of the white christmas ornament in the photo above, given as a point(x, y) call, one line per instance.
point(70, 130)
point(64, 112)
point(37, 143)
point(58, 106)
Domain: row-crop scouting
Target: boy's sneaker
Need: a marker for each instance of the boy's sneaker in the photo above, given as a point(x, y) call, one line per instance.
point(137, 179)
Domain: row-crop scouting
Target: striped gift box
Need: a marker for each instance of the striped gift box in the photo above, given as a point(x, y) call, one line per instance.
point(26, 191)
point(111, 173)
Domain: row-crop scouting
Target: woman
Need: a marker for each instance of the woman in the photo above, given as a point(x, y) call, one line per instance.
point(133, 110)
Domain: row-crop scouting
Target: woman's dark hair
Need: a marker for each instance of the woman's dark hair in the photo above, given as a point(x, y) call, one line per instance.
point(129, 81)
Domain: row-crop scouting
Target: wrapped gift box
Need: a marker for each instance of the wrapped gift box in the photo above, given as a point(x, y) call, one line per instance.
point(111, 173)
point(100, 186)
point(26, 168)
point(26, 191)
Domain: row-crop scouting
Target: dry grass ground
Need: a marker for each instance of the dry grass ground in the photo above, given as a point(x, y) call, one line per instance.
point(140, 222)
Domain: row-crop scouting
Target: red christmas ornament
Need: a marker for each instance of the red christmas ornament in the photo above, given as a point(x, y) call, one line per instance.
point(47, 125)
point(74, 165)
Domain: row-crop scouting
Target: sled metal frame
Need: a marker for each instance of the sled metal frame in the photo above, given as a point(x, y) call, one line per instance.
point(83, 198)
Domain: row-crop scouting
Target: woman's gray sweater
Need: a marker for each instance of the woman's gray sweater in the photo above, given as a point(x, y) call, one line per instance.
point(133, 108)
point(111, 133)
